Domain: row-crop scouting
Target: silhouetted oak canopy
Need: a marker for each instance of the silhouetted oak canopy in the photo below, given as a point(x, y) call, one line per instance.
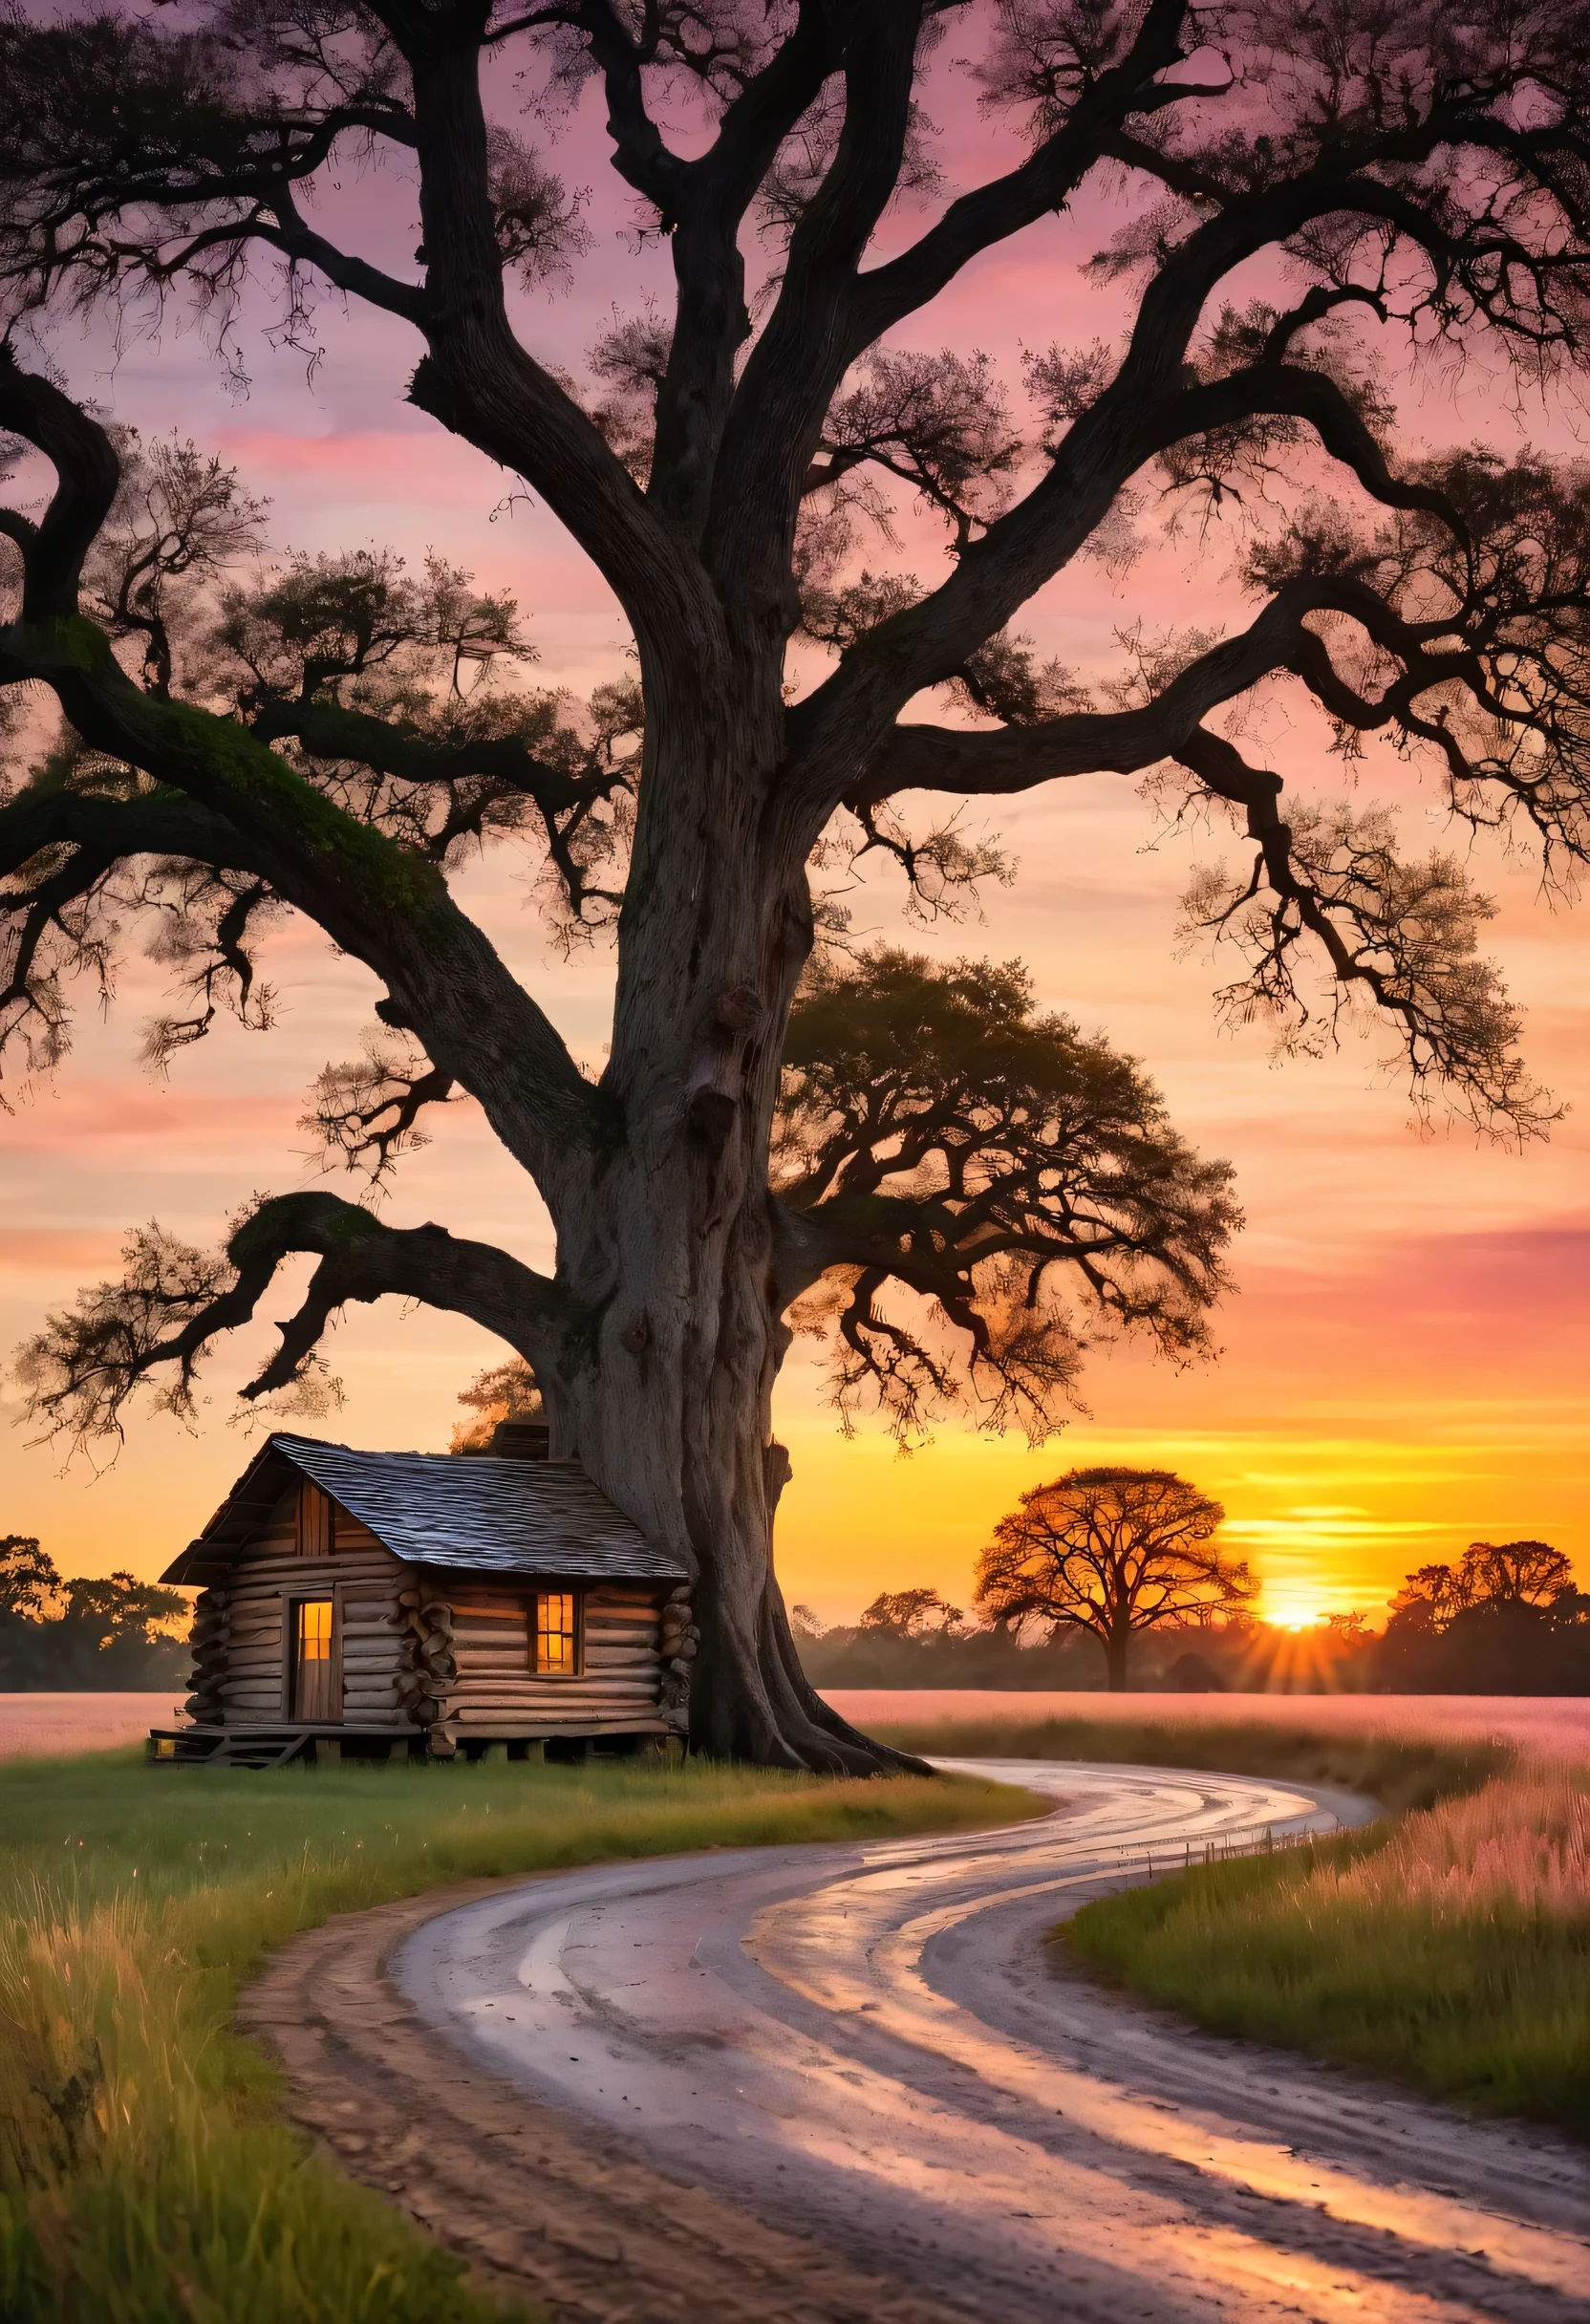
point(1113, 1552)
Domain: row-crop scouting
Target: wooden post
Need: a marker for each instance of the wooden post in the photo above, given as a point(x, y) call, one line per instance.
point(534, 1749)
point(328, 1751)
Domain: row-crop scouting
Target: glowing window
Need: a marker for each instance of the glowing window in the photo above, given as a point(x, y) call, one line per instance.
point(311, 1659)
point(557, 1646)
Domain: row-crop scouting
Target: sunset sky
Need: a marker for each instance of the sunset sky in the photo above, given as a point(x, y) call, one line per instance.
point(1407, 1363)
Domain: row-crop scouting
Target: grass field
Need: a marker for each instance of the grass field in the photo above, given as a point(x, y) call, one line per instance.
point(1401, 1768)
point(1550, 1726)
point(1451, 1950)
point(144, 2177)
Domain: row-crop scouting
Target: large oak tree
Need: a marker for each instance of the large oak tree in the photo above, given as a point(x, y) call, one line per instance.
point(1313, 197)
point(1113, 1552)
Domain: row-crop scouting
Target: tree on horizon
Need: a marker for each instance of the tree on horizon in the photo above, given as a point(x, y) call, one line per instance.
point(1310, 201)
point(1114, 1552)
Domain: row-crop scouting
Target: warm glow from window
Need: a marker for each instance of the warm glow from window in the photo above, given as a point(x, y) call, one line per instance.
point(310, 1692)
point(556, 1645)
point(314, 1631)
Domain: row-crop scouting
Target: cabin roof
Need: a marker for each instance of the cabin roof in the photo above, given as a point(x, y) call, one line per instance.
point(480, 1514)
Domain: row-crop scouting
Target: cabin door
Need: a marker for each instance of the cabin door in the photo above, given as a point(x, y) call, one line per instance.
point(315, 1695)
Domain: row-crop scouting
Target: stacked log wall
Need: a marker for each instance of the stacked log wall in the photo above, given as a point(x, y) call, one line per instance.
point(364, 1577)
point(375, 1632)
point(496, 1687)
point(490, 1682)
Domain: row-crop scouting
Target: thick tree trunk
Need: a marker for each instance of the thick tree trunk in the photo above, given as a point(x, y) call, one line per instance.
point(1116, 1649)
point(673, 1337)
point(665, 1398)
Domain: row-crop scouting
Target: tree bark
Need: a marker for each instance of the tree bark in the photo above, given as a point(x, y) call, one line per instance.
point(665, 1395)
point(1116, 1649)
point(672, 1340)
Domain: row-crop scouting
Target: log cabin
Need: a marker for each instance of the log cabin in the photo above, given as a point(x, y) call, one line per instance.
point(378, 1604)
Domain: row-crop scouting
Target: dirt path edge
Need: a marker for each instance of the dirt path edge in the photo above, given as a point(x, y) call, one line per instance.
point(537, 2202)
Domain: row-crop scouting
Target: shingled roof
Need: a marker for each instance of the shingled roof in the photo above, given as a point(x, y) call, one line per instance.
point(481, 1515)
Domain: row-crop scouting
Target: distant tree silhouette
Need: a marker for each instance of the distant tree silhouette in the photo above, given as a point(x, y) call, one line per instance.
point(29, 1581)
point(113, 1609)
point(1113, 1552)
point(505, 1392)
point(1351, 1630)
point(1520, 1573)
point(93, 1631)
point(911, 1614)
point(1193, 1674)
point(1505, 1619)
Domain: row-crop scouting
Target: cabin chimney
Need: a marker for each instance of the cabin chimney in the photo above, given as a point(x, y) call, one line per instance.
point(521, 1440)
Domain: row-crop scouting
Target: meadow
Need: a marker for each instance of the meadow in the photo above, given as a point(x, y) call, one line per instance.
point(1556, 1726)
point(1401, 1766)
point(145, 2176)
point(56, 1726)
point(148, 2178)
point(1451, 1950)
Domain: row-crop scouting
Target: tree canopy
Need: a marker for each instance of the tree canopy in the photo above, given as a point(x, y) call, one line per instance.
point(1505, 1618)
point(1310, 207)
point(503, 1391)
point(1510, 1572)
point(916, 1613)
point(1112, 1551)
point(936, 1133)
point(29, 1581)
point(94, 1631)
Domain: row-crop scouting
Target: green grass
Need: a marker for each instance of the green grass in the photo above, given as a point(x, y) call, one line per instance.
point(1489, 2009)
point(1402, 1771)
point(145, 2177)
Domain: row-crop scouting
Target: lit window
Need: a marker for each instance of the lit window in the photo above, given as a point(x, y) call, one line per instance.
point(312, 1672)
point(556, 1639)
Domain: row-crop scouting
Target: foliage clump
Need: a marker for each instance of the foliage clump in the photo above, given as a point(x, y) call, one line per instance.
point(1114, 1552)
point(1011, 1190)
point(108, 1630)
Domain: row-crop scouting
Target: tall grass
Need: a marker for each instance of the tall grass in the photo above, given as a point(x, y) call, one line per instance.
point(1400, 1768)
point(144, 2178)
point(1451, 1950)
point(1552, 1727)
point(1522, 1844)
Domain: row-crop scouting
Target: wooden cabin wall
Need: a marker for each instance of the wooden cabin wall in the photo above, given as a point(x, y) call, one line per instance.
point(496, 1687)
point(375, 1630)
point(363, 1576)
point(491, 1621)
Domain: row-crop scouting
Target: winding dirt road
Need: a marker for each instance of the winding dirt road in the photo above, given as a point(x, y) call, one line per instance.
point(865, 2048)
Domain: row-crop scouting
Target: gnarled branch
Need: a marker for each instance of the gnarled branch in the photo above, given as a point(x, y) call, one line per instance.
point(173, 1302)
